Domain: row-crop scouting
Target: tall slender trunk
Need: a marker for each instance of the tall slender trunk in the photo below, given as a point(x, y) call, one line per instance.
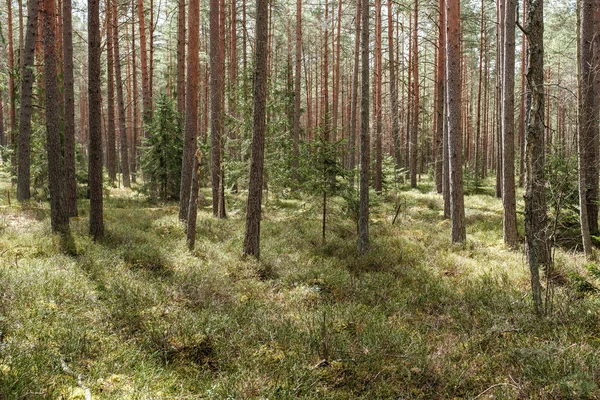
point(499, 87)
point(535, 199)
point(181, 56)
point(297, 88)
point(453, 98)
point(439, 101)
point(95, 121)
point(21, 38)
point(509, 215)
point(111, 149)
point(363, 213)
point(415, 99)
point(586, 118)
point(377, 100)
point(336, 71)
point(255, 186)
point(216, 103)
point(522, 103)
point(134, 104)
point(69, 99)
point(146, 94)
point(191, 156)
point(24, 154)
point(59, 218)
point(120, 99)
point(479, 93)
point(354, 106)
point(12, 95)
point(393, 87)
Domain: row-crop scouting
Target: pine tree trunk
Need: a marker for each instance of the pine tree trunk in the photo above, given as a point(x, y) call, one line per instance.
point(415, 99)
point(59, 218)
point(120, 99)
point(499, 87)
point(587, 123)
point(95, 121)
point(69, 99)
point(363, 215)
point(297, 90)
point(354, 106)
point(439, 101)
point(255, 186)
point(191, 112)
point(216, 103)
point(111, 149)
point(377, 97)
point(535, 199)
point(12, 95)
point(181, 57)
point(479, 93)
point(522, 104)
point(134, 104)
point(24, 154)
point(146, 93)
point(393, 87)
point(453, 98)
point(509, 215)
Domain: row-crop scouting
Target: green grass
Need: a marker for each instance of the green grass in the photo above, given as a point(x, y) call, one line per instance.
point(136, 316)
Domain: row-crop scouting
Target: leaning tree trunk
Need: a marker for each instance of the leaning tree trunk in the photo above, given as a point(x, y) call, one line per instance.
point(24, 155)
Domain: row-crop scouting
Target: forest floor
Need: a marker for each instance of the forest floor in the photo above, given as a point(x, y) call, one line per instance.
point(137, 316)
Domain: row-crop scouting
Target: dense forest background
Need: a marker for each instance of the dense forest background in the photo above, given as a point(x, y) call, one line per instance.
point(234, 199)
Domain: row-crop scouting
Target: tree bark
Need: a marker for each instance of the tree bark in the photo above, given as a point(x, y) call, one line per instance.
point(439, 101)
point(354, 106)
point(191, 110)
point(393, 87)
point(499, 87)
point(95, 121)
point(111, 147)
point(587, 119)
point(146, 94)
point(59, 218)
point(415, 99)
point(297, 90)
point(12, 96)
point(509, 215)
point(538, 252)
point(120, 100)
point(363, 215)
point(453, 93)
point(69, 101)
point(377, 100)
point(216, 104)
point(181, 56)
point(255, 185)
point(24, 155)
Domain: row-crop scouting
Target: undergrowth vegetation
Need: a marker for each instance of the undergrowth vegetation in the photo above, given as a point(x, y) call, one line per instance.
point(137, 316)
